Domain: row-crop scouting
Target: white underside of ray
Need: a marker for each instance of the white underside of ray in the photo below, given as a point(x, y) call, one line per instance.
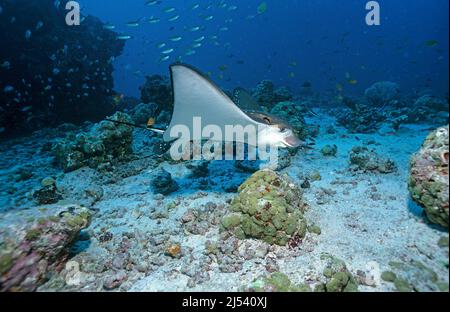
point(195, 96)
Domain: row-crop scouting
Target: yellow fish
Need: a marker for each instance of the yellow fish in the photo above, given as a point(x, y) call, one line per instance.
point(150, 122)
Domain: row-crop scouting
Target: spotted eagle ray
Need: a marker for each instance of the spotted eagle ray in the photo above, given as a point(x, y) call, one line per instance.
point(195, 95)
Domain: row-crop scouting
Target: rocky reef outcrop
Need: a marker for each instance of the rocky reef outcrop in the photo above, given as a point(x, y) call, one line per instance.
point(162, 182)
point(52, 73)
point(294, 114)
point(269, 206)
point(382, 93)
point(157, 89)
point(429, 176)
point(363, 159)
point(337, 276)
point(267, 96)
point(106, 142)
point(29, 253)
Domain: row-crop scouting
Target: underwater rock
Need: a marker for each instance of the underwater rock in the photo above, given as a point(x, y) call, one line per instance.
point(199, 169)
point(276, 282)
point(29, 254)
point(414, 276)
point(157, 89)
point(105, 142)
point(142, 112)
point(429, 109)
point(338, 277)
point(429, 176)
point(268, 207)
point(163, 183)
point(363, 159)
point(381, 93)
point(48, 194)
point(60, 74)
point(267, 96)
point(329, 150)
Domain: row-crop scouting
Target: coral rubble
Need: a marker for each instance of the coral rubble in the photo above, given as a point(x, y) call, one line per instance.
point(268, 207)
point(28, 255)
point(429, 176)
point(105, 142)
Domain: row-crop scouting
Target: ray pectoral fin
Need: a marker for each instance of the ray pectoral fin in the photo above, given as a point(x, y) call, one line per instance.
point(196, 96)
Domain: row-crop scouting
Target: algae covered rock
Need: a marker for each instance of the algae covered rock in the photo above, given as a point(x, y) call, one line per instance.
point(162, 182)
point(338, 277)
point(29, 253)
point(293, 113)
point(105, 142)
point(276, 282)
point(363, 159)
point(429, 176)
point(269, 207)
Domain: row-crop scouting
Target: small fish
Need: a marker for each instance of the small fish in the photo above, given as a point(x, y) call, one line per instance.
point(152, 2)
point(161, 45)
point(352, 81)
point(174, 18)
point(195, 28)
point(431, 43)
point(190, 52)
point(168, 51)
point(6, 65)
point(150, 122)
point(8, 89)
point(209, 17)
point(124, 37)
point(2, 129)
point(196, 45)
point(169, 10)
point(164, 58)
point(28, 34)
point(39, 25)
point(176, 38)
point(195, 6)
point(109, 26)
point(200, 39)
point(154, 20)
point(26, 108)
point(262, 8)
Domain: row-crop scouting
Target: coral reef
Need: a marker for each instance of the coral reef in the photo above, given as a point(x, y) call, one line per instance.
point(428, 108)
point(382, 93)
point(104, 143)
point(363, 159)
point(338, 277)
point(29, 254)
point(329, 150)
point(55, 73)
point(157, 90)
point(429, 176)
point(293, 113)
point(267, 96)
point(268, 207)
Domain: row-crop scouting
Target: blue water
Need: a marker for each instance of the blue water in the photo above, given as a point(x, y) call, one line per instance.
point(328, 40)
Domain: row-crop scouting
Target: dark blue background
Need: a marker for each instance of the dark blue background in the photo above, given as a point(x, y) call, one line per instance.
point(326, 38)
